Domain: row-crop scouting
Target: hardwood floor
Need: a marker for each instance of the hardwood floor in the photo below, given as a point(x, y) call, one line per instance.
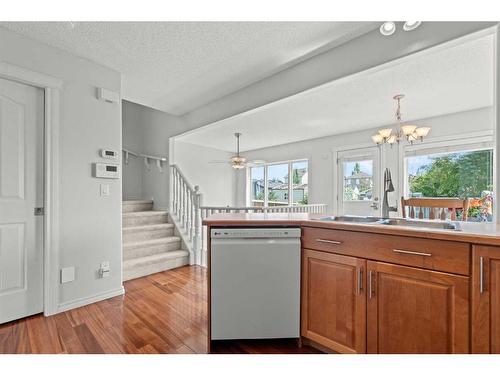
point(160, 313)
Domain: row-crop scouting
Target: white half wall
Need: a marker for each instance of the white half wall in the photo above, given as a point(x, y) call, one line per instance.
point(90, 225)
point(321, 158)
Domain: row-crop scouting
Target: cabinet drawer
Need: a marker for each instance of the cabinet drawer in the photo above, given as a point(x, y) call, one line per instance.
point(438, 255)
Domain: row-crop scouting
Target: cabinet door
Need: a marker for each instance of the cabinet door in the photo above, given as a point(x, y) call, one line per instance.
point(334, 301)
point(486, 299)
point(412, 310)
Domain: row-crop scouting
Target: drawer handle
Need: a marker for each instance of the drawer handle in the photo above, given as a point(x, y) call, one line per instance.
point(360, 280)
point(481, 275)
point(371, 287)
point(329, 241)
point(412, 252)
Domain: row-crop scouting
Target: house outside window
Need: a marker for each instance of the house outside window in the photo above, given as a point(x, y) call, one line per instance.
point(454, 171)
point(271, 185)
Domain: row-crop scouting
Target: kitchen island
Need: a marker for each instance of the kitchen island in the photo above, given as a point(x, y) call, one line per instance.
point(377, 288)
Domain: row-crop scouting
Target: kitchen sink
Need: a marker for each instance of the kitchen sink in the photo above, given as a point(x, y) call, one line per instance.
point(422, 224)
point(350, 219)
point(447, 225)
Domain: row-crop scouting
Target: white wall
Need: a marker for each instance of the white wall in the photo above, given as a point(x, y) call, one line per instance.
point(321, 158)
point(146, 130)
point(216, 181)
point(90, 225)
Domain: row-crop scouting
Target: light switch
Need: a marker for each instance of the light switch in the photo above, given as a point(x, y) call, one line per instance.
point(104, 190)
point(67, 274)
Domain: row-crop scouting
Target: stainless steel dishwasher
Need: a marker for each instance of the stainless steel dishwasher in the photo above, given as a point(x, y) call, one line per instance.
point(255, 283)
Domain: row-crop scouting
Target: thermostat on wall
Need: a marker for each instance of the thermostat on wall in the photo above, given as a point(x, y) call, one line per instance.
point(109, 154)
point(105, 170)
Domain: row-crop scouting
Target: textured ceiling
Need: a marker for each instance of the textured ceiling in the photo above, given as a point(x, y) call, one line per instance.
point(442, 81)
point(179, 66)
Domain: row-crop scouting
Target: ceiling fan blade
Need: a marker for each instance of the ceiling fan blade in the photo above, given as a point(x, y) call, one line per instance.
point(256, 162)
point(219, 162)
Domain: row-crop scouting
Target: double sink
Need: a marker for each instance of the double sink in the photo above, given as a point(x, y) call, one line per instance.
point(447, 225)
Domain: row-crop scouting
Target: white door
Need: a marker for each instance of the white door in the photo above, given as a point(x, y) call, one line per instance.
point(358, 182)
point(21, 191)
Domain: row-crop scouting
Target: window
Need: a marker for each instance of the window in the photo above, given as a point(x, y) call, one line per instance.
point(271, 184)
point(257, 186)
point(358, 180)
point(460, 171)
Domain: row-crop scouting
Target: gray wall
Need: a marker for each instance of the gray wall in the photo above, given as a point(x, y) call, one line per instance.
point(90, 225)
point(146, 130)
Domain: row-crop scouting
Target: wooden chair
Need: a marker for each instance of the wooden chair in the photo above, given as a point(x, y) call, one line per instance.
point(438, 208)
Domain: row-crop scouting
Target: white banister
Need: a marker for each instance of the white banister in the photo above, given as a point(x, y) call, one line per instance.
point(185, 205)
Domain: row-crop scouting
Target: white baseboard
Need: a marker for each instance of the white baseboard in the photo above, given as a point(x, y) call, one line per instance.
point(79, 302)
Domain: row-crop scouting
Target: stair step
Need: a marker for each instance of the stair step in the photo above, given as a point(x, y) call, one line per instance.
point(141, 249)
point(147, 232)
point(138, 267)
point(138, 218)
point(137, 205)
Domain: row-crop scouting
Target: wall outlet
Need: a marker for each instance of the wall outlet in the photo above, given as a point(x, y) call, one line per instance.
point(104, 190)
point(67, 274)
point(105, 270)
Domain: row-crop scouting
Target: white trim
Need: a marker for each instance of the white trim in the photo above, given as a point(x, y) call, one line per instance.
point(454, 140)
point(248, 189)
point(79, 302)
point(51, 86)
point(29, 77)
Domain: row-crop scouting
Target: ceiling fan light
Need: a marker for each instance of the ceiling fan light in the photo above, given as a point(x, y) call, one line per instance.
point(411, 25)
point(238, 166)
point(238, 159)
point(422, 131)
point(385, 133)
point(377, 138)
point(408, 129)
point(387, 28)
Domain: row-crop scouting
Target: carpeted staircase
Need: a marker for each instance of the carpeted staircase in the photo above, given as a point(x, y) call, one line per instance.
point(149, 243)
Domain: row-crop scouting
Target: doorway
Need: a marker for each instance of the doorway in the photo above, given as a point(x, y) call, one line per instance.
point(358, 181)
point(21, 200)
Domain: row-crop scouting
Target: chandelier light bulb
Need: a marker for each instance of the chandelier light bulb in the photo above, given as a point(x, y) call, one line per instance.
point(408, 129)
point(385, 133)
point(377, 138)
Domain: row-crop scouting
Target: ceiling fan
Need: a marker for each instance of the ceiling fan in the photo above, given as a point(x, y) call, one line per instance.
point(237, 161)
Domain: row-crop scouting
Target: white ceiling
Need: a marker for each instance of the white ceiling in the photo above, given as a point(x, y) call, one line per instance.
point(179, 66)
point(441, 81)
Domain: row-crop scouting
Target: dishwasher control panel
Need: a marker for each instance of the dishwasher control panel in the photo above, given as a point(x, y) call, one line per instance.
point(255, 233)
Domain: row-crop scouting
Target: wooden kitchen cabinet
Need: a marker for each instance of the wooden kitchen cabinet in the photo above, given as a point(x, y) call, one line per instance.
point(411, 310)
point(485, 299)
point(334, 301)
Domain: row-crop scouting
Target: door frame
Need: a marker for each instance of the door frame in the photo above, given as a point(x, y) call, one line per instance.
point(52, 87)
point(335, 158)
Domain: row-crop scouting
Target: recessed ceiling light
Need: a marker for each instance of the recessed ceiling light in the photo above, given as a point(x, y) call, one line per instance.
point(411, 25)
point(388, 28)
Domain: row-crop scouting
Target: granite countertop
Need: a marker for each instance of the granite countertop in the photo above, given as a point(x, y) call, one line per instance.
point(478, 233)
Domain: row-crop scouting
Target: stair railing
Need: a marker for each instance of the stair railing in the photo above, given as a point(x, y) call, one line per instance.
point(186, 208)
point(185, 205)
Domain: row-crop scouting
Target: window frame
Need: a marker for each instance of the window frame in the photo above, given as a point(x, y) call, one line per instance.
point(290, 183)
point(475, 141)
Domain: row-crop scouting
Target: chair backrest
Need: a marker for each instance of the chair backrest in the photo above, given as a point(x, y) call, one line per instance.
point(438, 208)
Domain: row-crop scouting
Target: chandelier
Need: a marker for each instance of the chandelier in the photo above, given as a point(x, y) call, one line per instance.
point(409, 132)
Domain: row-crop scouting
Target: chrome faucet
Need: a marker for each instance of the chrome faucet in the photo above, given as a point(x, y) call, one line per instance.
point(388, 187)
